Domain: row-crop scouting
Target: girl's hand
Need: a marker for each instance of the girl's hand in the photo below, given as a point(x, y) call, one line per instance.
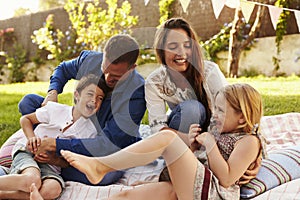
point(194, 131)
point(33, 143)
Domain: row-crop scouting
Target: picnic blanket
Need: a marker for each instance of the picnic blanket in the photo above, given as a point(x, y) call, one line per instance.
point(280, 130)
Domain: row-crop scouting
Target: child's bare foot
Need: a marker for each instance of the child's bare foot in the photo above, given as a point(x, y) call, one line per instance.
point(90, 166)
point(34, 193)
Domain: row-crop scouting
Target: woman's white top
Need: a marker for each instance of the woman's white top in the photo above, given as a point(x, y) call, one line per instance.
point(160, 91)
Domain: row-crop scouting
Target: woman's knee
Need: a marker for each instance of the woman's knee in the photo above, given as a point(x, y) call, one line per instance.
point(187, 113)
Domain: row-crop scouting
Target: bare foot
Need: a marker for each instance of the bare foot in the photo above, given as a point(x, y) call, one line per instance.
point(90, 166)
point(34, 193)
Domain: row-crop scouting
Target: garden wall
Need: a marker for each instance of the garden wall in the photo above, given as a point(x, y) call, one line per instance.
point(259, 58)
point(199, 13)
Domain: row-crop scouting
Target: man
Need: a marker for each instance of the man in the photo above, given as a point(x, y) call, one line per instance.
point(120, 115)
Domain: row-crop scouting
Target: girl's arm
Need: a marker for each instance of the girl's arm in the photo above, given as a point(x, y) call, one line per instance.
point(27, 122)
point(243, 154)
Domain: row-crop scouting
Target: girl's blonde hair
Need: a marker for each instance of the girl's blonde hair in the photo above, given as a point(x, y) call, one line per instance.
point(244, 99)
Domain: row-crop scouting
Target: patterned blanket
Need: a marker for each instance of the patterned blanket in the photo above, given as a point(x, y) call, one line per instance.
point(280, 130)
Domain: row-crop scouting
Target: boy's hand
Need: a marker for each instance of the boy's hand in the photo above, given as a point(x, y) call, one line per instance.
point(33, 143)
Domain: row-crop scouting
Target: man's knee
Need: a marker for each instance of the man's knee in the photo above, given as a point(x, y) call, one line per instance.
point(29, 103)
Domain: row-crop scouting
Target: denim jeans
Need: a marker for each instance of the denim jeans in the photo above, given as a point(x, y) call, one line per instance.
point(29, 103)
point(187, 113)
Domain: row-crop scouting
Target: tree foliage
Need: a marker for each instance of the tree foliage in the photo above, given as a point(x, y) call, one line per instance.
point(94, 25)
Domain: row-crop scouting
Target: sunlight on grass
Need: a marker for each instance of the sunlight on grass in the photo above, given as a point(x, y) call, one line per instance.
point(280, 95)
point(33, 87)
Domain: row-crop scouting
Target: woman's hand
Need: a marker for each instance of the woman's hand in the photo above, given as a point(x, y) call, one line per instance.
point(33, 143)
point(194, 131)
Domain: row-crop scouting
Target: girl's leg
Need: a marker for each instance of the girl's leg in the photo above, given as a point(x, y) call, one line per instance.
point(181, 162)
point(149, 191)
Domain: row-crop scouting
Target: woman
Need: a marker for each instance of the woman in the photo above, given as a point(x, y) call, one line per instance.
point(183, 82)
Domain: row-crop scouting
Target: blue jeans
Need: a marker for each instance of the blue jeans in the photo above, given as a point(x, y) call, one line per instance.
point(185, 114)
point(29, 103)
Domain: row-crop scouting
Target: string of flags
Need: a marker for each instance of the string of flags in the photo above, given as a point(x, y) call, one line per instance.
point(247, 8)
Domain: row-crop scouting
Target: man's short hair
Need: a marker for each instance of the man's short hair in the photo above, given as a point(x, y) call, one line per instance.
point(122, 48)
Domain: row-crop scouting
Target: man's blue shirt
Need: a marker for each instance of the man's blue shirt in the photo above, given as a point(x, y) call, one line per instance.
point(120, 114)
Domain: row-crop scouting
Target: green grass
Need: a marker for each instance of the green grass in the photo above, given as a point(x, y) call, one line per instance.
point(280, 95)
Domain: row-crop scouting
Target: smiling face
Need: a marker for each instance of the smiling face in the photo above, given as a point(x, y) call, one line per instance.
point(178, 50)
point(114, 72)
point(88, 101)
point(227, 119)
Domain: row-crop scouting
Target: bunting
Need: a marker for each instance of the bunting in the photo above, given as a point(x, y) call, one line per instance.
point(297, 16)
point(185, 4)
point(232, 3)
point(218, 6)
point(146, 2)
point(248, 6)
point(247, 9)
point(274, 14)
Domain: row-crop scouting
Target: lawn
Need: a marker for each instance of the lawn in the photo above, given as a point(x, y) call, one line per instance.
point(280, 95)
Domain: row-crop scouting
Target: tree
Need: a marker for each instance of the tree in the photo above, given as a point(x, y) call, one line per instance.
point(95, 25)
point(241, 35)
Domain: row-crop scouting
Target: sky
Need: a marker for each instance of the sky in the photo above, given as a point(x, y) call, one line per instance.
point(7, 7)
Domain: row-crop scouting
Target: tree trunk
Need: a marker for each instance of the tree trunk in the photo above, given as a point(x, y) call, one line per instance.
point(236, 43)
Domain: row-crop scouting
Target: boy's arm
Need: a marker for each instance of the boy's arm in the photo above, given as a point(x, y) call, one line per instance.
point(27, 122)
point(64, 72)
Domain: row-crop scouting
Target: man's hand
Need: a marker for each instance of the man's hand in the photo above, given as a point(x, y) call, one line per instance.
point(51, 96)
point(47, 145)
point(251, 171)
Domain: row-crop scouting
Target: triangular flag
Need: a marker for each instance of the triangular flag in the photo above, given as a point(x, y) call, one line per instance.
point(185, 4)
point(146, 2)
point(274, 14)
point(297, 16)
point(218, 6)
point(233, 3)
point(247, 9)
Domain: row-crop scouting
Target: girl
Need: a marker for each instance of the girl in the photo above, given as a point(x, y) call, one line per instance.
point(231, 146)
point(54, 120)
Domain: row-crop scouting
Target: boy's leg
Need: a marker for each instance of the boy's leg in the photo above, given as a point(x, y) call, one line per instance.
point(34, 193)
point(52, 182)
point(16, 186)
point(50, 189)
point(23, 173)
